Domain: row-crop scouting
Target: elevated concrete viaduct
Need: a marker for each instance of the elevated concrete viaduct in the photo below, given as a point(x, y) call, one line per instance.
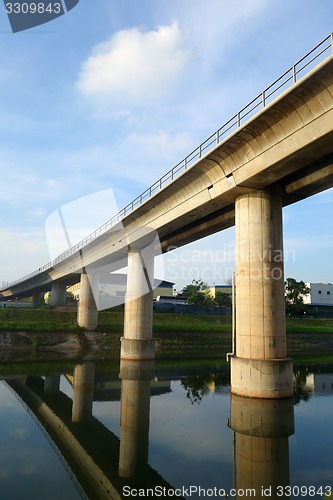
point(281, 154)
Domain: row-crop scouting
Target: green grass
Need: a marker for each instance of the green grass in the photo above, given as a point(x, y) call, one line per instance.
point(312, 359)
point(40, 326)
point(36, 315)
point(309, 325)
point(163, 322)
point(46, 320)
point(191, 323)
point(37, 320)
point(185, 334)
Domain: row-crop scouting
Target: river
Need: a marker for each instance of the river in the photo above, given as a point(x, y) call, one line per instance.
point(90, 429)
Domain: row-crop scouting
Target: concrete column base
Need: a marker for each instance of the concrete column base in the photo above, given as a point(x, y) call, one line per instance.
point(137, 349)
point(137, 369)
point(261, 378)
point(87, 313)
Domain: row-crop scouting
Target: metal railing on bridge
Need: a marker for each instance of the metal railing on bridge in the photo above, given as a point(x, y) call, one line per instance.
point(319, 53)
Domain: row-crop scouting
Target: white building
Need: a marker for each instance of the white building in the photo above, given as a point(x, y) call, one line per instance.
point(321, 294)
point(213, 290)
point(115, 285)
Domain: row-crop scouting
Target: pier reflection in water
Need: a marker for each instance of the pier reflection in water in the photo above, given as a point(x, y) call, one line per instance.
point(178, 439)
point(261, 449)
point(134, 417)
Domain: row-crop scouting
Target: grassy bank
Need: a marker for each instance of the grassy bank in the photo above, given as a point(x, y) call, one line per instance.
point(309, 325)
point(37, 320)
point(188, 335)
point(50, 320)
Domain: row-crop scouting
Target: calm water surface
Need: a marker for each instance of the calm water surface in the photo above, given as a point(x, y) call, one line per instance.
point(79, 431)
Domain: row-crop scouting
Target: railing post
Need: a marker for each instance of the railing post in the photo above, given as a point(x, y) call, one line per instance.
point(263, 100)
point(238, 119)
point(332, 41)
point(294, 73)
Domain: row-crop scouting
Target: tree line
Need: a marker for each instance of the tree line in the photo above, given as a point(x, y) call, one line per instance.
point(198, 293)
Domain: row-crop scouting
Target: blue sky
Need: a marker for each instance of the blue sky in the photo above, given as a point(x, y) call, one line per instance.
point(112, 95)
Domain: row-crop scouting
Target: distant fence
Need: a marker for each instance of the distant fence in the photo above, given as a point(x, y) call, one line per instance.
point(15, 305)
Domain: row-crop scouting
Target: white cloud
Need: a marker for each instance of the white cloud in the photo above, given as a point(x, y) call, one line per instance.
point(37, 212)
point(21, 253)
point(166, 145)
point(134, 66)
point(18, 433)
point(71, 223)
point(216, 27)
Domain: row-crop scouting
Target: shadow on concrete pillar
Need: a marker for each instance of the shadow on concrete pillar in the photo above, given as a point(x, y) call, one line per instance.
point(37, 299)
point(259, 366)
point(51, 385)
point(261, 448)
point(134, 417)
point(83, 392)
point(87, 313)
point(58, 294)
point(137, 342)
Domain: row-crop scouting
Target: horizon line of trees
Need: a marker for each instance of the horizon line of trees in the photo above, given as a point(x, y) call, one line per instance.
point(198, 293)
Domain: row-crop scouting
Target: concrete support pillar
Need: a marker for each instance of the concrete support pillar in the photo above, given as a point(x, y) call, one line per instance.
point(87, 313)
point(134, 417)
point(83, 393)
point(259, 367)
point(261, 448)
point(51, 385)
point(58, 294)
point(137, 342)
point(36, 299)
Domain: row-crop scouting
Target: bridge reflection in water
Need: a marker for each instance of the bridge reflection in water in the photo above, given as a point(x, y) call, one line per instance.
point(101, 465)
